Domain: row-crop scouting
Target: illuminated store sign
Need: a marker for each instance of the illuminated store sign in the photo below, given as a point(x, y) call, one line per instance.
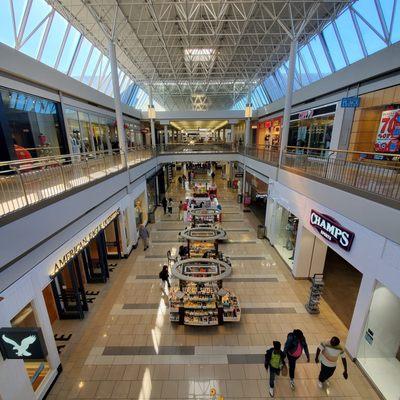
point(332, 230)
point(22, 343)
point(306, 114)
point(82, 244)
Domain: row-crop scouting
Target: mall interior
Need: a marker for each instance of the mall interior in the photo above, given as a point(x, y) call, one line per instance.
point(184, 184)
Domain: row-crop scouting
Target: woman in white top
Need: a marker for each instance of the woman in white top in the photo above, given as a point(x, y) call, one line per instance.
point(328, 354)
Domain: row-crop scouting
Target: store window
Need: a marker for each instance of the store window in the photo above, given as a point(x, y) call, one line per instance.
point(312, 128)
point(140, 210)
point(379, 349)
point(88, 131)
point(36, 369)
point(34, 128)
point(376, 123)
point(286, 226)
point(151, 194)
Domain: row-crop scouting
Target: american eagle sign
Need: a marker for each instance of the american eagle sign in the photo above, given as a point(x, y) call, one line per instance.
point(22, 343)
point(332, 230)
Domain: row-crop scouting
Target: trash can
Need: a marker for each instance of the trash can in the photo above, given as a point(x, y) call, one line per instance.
point(151, 217)
point(239, 198)
point(260, 232)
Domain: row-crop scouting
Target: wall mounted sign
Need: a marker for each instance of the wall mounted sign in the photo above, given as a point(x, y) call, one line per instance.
point(388, 137)
point(60, 264)
point(350, 102)
point(306, 114)
point(332, 230)
point(261, 196)
point(239, 175)
point(22, 343)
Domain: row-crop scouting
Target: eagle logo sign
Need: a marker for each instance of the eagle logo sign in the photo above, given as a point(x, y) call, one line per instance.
point(21, 349)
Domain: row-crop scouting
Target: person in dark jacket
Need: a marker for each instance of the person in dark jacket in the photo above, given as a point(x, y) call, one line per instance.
point(164, 203)
point(164, 276)
point(295, 345)
point(275, 361)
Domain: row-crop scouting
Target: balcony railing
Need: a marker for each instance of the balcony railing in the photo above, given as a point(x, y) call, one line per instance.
point(365, 172)
point(267, 154)
point(27, 182)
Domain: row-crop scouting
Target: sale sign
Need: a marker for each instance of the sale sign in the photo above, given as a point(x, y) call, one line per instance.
point(388, 137)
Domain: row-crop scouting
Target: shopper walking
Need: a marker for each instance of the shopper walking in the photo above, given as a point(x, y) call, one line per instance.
point(164, 276)
point(144, 235)
point(180, 211)
point(275, 361)
point(170, 206)
point(295, 345)
point(164, 203)
point(328, 354)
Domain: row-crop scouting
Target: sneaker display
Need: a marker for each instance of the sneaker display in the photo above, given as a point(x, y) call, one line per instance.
point(271, 392)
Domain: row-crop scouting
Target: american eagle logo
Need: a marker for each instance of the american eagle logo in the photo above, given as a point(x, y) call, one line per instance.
point(21, 349)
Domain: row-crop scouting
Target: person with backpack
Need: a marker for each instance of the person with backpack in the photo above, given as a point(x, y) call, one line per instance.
point(327, 354)
point(164, 276)
point(275, 361)
point(294, 347)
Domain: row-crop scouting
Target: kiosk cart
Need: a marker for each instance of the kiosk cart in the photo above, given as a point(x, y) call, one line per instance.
point(201, 240)
point(204, 217)
point(199, 298)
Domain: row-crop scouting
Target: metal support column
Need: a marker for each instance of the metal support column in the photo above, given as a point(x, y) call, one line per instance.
point(152, 124)
point(117, 102)
point(288, 98)
point(166, 134)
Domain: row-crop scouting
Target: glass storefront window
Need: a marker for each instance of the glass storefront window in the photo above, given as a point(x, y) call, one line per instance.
point(379, 349)
point(36, 369)
point(151, 194)
point(34, 125)
point(314, 133)
point(87, 142)
point(140, 210)
point(74, 130)
point(286, 225)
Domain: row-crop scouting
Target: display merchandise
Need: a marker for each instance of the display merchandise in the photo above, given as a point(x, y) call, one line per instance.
point(199, 298)
point(315, 294)
point(204, 217)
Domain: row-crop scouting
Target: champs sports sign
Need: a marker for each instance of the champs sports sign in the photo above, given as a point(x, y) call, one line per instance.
point(331, 230)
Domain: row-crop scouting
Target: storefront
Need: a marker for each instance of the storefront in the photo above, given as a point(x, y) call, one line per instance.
point(376, 122)
point(282, 229)
point(85, 263)
point(312, 128)
point(152, 198)
point(30, 126)
point(379, 350)
point(256, 194)
point(141, 210)
point(360, 271)
point(132, 131)
point(268, 132)
point(90, 131)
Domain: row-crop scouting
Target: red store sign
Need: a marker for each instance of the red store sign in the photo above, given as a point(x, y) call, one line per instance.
point(332, 230)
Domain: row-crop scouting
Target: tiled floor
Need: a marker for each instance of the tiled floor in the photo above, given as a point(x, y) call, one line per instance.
point(126, 348)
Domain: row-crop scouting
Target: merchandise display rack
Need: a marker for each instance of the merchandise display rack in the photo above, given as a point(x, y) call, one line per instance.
point(204, 217)
point(315, 294)
point(199, 299)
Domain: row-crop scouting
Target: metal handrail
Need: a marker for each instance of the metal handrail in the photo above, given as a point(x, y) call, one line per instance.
point(27, 182)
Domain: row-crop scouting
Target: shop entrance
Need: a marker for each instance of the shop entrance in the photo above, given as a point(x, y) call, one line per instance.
point(342, 282)
point(69, 292)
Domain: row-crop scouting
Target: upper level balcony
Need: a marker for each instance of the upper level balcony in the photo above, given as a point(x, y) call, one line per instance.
point(26, 183)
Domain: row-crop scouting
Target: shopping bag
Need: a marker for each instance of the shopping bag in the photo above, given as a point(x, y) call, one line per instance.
point(284, 370)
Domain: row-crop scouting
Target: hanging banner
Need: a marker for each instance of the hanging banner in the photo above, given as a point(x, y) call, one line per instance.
point(332, 230)
point(22, 343)
point(388, 137)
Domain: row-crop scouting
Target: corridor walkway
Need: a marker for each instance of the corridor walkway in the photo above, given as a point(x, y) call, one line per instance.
point(127, 347)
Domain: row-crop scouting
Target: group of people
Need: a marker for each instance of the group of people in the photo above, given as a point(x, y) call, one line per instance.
point(167, 205)
point(327, 355)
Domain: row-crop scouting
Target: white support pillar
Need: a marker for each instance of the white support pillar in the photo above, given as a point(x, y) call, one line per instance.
point(248, 113)
point(151, 116)
point(232, 132)
point(166, 134)
point(117, 101)
point(288, 98)
point(247, 132)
